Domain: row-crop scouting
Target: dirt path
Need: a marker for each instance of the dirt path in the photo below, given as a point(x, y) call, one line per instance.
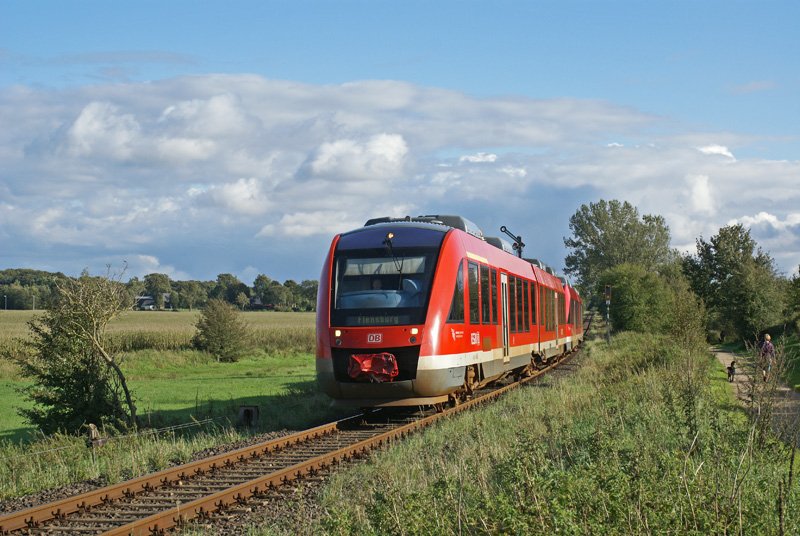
point(787, 401)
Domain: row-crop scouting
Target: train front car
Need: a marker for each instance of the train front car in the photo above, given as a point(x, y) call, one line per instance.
point(378, 315)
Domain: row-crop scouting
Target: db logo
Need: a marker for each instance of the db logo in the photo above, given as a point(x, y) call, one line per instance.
point(374, 337)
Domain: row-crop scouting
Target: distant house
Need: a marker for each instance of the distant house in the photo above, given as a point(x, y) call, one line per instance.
point(147, 303)
point(257, 305)
point(144, 303)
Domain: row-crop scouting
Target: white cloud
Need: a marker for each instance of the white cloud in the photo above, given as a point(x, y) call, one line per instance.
point(515, 172)
point(381, 157)
point(716, 150)
point(701, 197)
point(479, 157)
point(140, 265)
point(181, 168)
point(182, 150)
point(102, 131)
point(791, 220)
point(242, 197)
point(300, 225)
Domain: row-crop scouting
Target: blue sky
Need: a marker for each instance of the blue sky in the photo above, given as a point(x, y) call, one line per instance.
point(195, 138)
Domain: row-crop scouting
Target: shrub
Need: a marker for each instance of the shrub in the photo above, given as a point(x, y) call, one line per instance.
point(222, 332)
point(76, 378)
point(641, 299)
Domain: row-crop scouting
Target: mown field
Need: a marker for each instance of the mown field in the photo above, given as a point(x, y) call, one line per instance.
point(173, 383)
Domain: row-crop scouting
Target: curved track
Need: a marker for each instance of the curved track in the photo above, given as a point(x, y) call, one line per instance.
point(159, 501)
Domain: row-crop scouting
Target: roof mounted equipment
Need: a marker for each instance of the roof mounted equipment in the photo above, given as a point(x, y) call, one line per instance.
point(518, 243)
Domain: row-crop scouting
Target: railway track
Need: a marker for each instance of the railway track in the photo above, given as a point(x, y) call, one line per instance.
point(155, 503)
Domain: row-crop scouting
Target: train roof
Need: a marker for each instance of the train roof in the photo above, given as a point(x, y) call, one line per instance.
point(444, 223)
point(452, 221)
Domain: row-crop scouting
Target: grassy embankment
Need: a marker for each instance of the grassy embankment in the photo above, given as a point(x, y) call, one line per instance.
point(642, 440)
point(172, 385)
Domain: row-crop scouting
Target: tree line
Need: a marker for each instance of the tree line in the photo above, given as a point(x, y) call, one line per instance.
point(35, 289)
point(729, 281)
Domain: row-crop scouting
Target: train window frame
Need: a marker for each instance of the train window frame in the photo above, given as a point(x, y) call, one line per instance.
point(512, 304)
point(525, 306)
point(458, 298)
point(486, 294)
point(520, 305)
point(473, 290)
point(494, 276)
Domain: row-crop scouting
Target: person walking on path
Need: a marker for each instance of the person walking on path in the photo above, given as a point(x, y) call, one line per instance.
point(766, 356)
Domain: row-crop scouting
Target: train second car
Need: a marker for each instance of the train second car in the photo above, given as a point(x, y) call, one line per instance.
point(420, 311)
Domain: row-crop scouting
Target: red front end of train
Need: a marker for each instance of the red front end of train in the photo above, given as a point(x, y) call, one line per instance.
point(419, 311)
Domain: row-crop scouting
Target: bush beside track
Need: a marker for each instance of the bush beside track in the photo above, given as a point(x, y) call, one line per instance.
point(644, 438)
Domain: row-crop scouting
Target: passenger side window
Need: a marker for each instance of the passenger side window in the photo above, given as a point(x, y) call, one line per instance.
point(493, 277)
point(474, 297)
point(486, 301)
point(457, 306)
point(526, 295)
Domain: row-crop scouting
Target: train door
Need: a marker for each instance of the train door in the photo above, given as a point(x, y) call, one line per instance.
point(556, 309)
point(504, 315)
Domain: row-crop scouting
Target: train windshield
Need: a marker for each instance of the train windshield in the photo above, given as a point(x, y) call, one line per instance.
point(373, 288)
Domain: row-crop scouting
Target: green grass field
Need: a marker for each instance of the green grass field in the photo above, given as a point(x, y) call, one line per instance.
point(173, 384)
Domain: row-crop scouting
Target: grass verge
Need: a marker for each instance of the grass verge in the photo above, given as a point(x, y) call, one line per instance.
point(644, 439)
point(171, 388)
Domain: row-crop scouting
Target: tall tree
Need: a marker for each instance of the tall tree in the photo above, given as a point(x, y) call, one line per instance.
point(793, 298)
point(190, 294)
point(135, 287)
point(261, 287)
point(228, 288)
point(641, 299)
point(157, 285)
point(610, 233)
point(738, 282)
point(309, 288)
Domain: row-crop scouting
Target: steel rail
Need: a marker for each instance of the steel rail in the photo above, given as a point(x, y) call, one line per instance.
point(33, 516)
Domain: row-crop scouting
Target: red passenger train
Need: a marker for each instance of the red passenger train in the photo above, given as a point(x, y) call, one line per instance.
point(420, 311)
